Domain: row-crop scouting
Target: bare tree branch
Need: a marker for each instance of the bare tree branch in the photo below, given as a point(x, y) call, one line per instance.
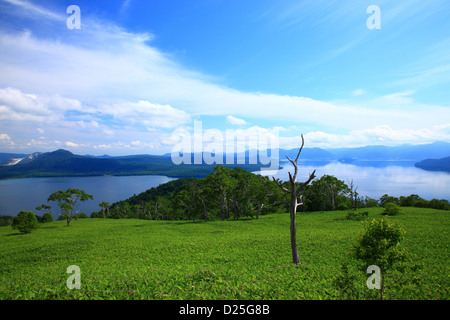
point(304, 184)
point(279, 185)
point(299, 151)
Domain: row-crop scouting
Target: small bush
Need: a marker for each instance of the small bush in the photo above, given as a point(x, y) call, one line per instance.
point(47, 217)
point(392, 209)
point(25, 221)
point(357, 215)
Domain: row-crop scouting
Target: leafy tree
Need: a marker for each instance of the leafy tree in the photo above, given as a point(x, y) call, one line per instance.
point(47, 217)
point(386, 199)
point(368, 202)
point(25, 221)
point(105, 208)
point(67, 201)
point(409, 201)
point(327, 193)
point(221, 182)
point(439, 204)
point(379, 245)
point(266, 194)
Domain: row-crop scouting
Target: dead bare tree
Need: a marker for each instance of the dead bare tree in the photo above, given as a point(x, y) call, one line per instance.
point(295, 192)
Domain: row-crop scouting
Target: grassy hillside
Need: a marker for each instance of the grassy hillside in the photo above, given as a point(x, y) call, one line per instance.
point(246, 259)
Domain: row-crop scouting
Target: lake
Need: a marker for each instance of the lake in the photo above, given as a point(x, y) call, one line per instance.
point(373, 178)
point(27, 194)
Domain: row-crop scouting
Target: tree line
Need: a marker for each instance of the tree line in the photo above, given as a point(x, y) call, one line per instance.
point(235, 193)
point(225, 194)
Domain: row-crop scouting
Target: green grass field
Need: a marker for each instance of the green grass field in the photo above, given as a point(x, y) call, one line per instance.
point(246, 259)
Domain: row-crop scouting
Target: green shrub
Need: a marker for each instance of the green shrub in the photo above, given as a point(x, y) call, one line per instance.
point(342, 206)
point(379, 245)
point(47, 217)
point(357, 215)
point(25, 221)
point(392, 209)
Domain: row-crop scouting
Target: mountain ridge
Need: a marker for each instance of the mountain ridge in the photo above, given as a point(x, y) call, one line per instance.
point(64, 163)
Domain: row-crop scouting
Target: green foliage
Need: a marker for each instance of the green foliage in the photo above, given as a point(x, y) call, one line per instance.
point(225, 194)
point(388, 199)
point(415, 201)
point(25, 221)
point(67, 201)
point(47, 217)
point(5, 220)
point(326, 193)
point(392, 209)
point(357, 215)
point(379, 244)
point(347, 279)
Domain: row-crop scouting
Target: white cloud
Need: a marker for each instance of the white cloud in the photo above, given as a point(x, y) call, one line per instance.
point(142, 73)
point(5, 140)
point(379, 135)
point(120, 85)
point(148, 114)
point(71, 144)
point(18, 106)
point(236, 121)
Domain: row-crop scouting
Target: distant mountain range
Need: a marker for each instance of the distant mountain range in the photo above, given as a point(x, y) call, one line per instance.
point(64, 163)
point(404, 152)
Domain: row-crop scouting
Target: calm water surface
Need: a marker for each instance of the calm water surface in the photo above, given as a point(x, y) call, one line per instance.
point(27, 194)
point(373, 179)
point(376, 178)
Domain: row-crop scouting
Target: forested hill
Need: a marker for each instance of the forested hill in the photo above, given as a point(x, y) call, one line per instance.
point(224, 194)
point(231, 194)
point(435, 164)
point(64, 163)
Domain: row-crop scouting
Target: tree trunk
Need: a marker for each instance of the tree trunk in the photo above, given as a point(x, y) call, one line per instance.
point(295, 191)
point(260, 206)
point(293, 212)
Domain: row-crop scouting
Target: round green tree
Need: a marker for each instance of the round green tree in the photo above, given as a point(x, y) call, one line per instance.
point(47, 217)
point(25, 221)
point(379, 245)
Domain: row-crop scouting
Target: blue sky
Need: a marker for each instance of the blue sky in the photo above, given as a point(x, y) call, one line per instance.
point(138, 70)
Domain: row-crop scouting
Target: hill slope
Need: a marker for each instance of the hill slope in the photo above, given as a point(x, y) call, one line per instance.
point(64, 163)
point(435, 164)
point(248, 259)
